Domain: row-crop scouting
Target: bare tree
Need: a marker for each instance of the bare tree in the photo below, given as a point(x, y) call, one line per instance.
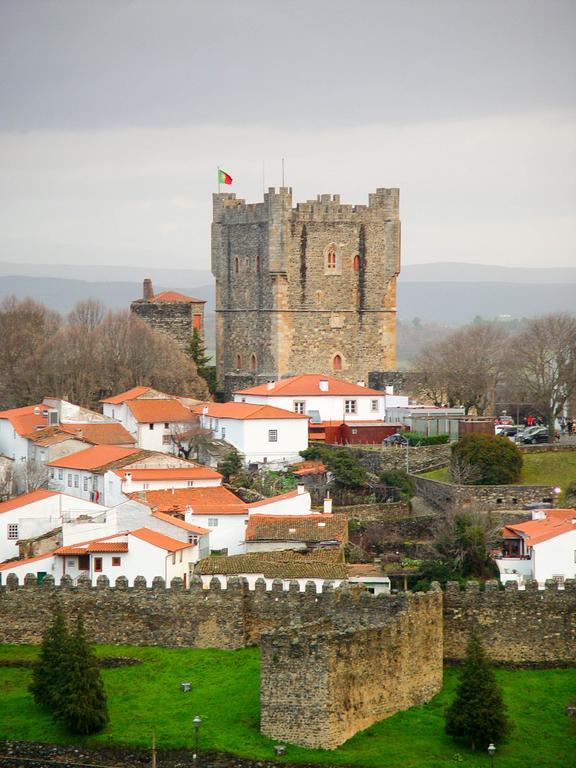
point(189, 439)
point(463, 473)
point(31, 475)
point(544, 363)
point(465, 368)
point(6, 479)
point(87, 314)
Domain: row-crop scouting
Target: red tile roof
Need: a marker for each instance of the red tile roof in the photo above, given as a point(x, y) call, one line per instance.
point(308, 384)
point(172, 473)
point(557, 522)
point(104, 546)
point(100, 433)
point(275, 565)
point(160, 410)
point(307, 528)
point(180, 523)
point(203, 501)
point(24, 420)
point(26, 498)
point(246, 411)
point(311, 467)
point(130, 394)
point(96, 457)
point(17, 563)
point(48, 436)
point(173, 296)
point(159, 540)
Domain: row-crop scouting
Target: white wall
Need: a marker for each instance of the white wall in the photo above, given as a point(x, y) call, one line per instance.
point(330, 407)
point(229, 533)
point(555, 557)
point(299, 504)
point(11, 444)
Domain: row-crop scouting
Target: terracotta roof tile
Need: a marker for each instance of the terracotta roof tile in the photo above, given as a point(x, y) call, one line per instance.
point(159, 540)
point(307, 528)
point(158, 410)
point(26, 498)
point(272, 499)
point(311, 467)
point(103, 433)
point(24, 420)
point(130, 394)
point(557, 522)
point(96, 457)
point(180, 523)
point(172, 473)
point(203, 501)
point(308, 384)
point(174, 296)
point(246, 411)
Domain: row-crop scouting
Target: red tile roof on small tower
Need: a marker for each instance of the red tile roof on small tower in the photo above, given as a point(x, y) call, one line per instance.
point(173, 296)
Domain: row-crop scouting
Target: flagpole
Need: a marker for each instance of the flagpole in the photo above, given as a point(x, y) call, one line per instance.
point(282, 171)
point(263, 178)
point(218, 179)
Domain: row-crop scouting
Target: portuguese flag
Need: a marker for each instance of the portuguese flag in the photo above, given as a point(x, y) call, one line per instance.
point(223, 177)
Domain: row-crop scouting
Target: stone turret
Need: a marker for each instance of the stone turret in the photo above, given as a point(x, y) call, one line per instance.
point(171, 313)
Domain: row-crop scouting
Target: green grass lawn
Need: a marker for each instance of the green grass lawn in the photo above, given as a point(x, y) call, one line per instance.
point(225, 694)
point(538, 469)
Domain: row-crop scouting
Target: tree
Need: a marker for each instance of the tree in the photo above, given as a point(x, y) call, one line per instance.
point(496, 459)
point(543, 358)
point(465, 368)
point(87, 314)
point(477, 716)
point(196, 350)
point(462, 541)
point(30, 476)
point(397, 478)
point(231, 466)
point(49, 669)
point(82, 706)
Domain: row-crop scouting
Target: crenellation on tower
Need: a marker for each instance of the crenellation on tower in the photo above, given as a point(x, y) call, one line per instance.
point(298, 287)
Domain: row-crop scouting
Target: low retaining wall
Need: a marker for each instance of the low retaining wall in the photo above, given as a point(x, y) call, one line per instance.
point(484, 498)
point(397, 510)
point(420, 458)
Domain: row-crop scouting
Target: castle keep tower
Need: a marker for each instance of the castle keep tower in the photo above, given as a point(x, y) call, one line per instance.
point(171, 313)
point(310, 289)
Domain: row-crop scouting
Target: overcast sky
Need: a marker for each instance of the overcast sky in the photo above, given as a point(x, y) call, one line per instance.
point(115, 113)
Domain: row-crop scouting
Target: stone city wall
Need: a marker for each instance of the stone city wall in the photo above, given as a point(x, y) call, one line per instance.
point(319, 687)
point(517, 627)
point(484, 498)
point(420, 458)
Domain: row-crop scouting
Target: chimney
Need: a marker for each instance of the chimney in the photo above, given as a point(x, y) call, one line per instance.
point(300, 488)
point(79, 433)
point(188, 513)
point(271, 384)
point(389, 389)
point(538, 514)
point(327, 505)
point(147, 290)
point(127, 482)
point(323, 384)
point(361, 383)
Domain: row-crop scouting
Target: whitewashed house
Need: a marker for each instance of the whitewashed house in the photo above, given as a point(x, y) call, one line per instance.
point(263, 435)
point(106, 474)
point(35, 513)
point(540, 549)
point(323, 398)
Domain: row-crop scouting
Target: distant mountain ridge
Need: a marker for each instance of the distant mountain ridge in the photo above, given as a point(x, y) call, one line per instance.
point(459, 272)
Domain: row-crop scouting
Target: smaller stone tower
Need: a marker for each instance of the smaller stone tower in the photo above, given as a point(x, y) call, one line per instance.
point(171, 313)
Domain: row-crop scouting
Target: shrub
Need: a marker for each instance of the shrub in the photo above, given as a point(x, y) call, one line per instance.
point(396, 478)
point(477, 716)
point(231, 466)
point(417, 438)
point(491, 460)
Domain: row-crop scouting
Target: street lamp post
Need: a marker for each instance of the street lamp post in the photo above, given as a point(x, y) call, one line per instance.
point(197, 720)
point(491, 752)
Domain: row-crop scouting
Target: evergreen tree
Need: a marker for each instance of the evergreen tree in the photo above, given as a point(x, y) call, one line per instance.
point(231, 466)
point(477, 716)
point(82, 706)
point(196, 350)
point(48, 670)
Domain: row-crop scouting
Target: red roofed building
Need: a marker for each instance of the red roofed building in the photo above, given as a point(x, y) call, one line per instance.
point(263, 434)
point(540, 549)
point(170, 312)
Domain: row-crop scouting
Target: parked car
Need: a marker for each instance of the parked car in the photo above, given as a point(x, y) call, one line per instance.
point(509, 430)
point(534, 435)
point(396, 439)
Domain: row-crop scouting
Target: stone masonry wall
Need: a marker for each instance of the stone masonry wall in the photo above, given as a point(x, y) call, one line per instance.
point(174, 318)
point(484, 498)
point(524, 627)
point(318, 688)
point(420, 458)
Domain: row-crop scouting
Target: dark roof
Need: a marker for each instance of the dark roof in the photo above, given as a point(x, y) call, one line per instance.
point(307, 528)
point(274, 565)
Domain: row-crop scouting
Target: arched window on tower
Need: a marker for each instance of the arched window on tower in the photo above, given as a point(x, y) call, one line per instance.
point(253, 363)
point(356, 263)
point(331, 258)
point(336, 363)
point(258, 263)
point(236, 264)
point(238, 362)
